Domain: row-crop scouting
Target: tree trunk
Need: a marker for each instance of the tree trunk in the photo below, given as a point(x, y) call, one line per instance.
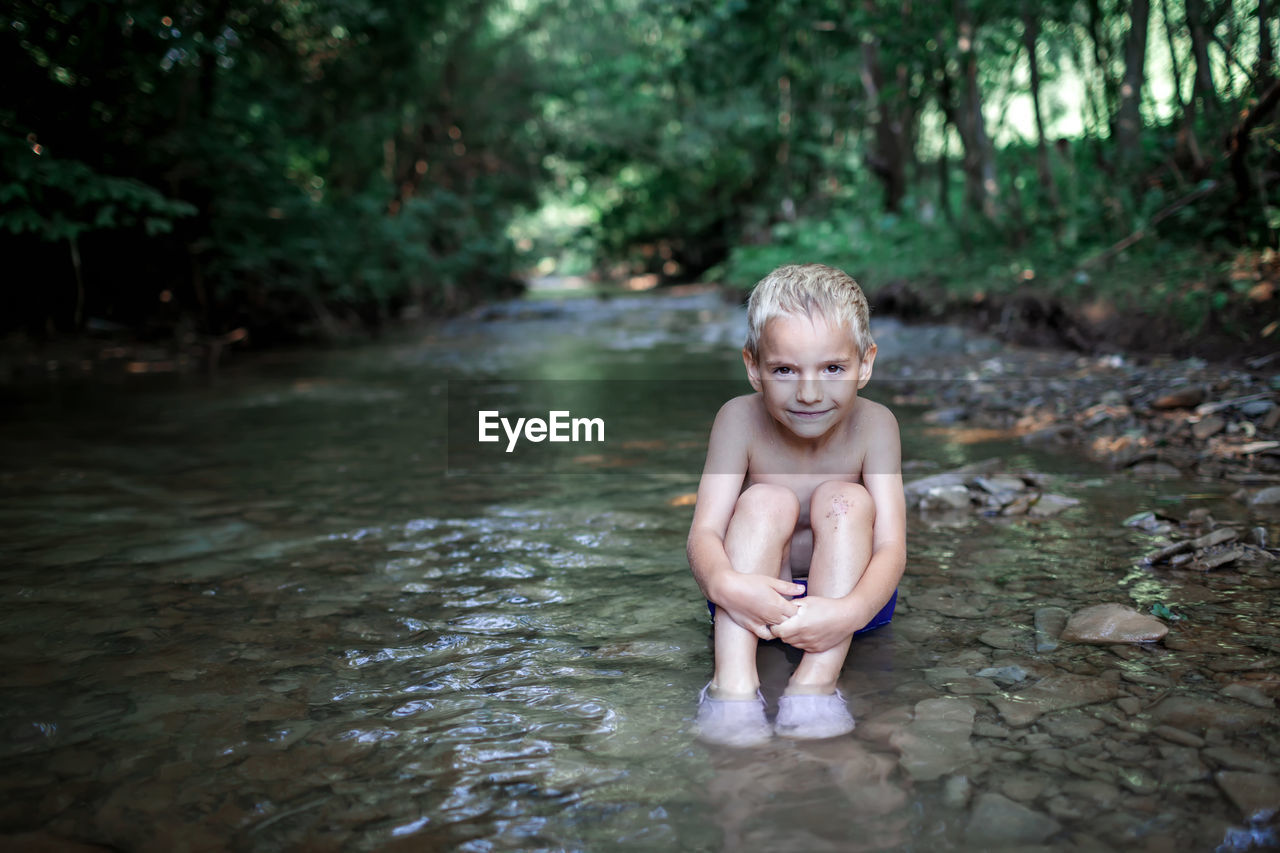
point(979, 157)
point(1187, 152)
point(1102, 59)
point(1129, 115)
point(1266, 48)
point(1030, 39)
point(1203, 88)
point(891, 144)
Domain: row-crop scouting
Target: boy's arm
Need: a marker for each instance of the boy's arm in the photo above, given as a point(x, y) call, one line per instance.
point(833, 620)
point(753, 601)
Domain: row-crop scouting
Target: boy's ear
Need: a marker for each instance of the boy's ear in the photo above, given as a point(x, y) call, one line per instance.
point(753, 369)
point(864, 369)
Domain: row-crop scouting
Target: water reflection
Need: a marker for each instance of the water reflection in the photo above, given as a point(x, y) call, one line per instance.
point(259, 615)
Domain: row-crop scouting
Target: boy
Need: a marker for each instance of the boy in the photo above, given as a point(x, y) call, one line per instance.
point(802, 481)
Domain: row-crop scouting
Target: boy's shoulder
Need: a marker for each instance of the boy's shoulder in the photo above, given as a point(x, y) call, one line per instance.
point(876, 416)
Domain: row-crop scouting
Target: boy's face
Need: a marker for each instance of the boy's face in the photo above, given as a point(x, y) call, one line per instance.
point(809, 372)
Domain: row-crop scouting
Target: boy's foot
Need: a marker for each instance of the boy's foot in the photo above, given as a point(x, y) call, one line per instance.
point(734, 721)
point(807, 716)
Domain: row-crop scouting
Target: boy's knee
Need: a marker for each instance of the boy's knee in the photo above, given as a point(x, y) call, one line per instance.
point(768, 502)
point(836, 499)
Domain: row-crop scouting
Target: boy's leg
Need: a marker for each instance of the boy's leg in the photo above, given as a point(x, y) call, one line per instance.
point(756, 543)
point(842, 516)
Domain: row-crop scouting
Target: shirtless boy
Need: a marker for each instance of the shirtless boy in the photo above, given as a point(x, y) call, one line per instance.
point(802, 482)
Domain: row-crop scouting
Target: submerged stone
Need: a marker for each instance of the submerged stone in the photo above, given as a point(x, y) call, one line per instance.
point(996, 819)
point(1257, 795)
point(936, 741)
point(1049, 622)
point(1112, 623)
point(1055, 693)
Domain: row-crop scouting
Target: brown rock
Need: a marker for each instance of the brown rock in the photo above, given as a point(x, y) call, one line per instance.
point(1112, 623)
point(1180, 398)
point(1255, 794)
point(1197, 715)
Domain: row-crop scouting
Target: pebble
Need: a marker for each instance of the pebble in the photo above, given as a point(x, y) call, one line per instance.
point(1112, 623)
point(1129, 704)
point(997, 820)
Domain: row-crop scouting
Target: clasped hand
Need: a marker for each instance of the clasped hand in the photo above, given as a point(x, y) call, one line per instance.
point(818, 624)
point(757, 601)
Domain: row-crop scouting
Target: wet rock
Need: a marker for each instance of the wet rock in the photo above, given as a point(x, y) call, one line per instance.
point(1129, 704)
point(1055, 693)
point(1139, 780)
point(1199, 715)
point(1179, 398)
point(1155, 470)
point(936, 741)
point(1072, 725)
point(1237, 759)
point(1208, 426)
point(956, 791)
point(1049, 622)
point(1269, 496)
point(1024, 786)
point(1005, 639)
point(1149, 522)
point(1003, 675)
point(1112, 623)
point(916, 489)
point(1047, 505)
point(1256, 408)
point(943, 498)
point(1178, 736)
point(1251, 695)
point(998, 820)
point(1256, 795)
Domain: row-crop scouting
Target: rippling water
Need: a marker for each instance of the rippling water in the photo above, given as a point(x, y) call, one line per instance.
point(261, 614)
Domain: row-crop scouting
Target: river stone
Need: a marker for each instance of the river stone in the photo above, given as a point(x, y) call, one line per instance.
point(1237, 759)
point(1248, 693)
point(1197, 715)
point(1049, 622)
point(1269, 496)
point(936, 741)
point(998, 820)
point(1055, 693)
point(1257, 795)
point(954, 496)
point(1050, 504)
point(1112, 623)
point(1004, 675)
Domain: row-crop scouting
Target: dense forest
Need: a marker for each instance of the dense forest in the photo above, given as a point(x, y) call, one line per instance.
point(301, 167)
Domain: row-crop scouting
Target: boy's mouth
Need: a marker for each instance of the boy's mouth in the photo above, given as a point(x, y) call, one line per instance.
point(808, 415)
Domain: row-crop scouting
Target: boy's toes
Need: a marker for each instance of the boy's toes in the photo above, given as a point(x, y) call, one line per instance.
point(809, 717)
point(732, 722)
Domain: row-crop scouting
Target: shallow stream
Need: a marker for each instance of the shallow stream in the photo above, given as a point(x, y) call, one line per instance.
point(283, 610)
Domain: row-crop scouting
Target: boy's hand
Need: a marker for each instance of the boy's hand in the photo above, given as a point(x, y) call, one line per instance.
point(757, 601)
point(819, 624)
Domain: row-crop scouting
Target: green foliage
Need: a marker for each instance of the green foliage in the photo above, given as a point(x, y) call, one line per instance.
point(56, 200)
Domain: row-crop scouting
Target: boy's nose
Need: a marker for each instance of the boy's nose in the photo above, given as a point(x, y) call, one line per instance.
point(808, 391)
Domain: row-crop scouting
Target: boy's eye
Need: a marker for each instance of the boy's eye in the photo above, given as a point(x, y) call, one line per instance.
point(835, 369)
point(782, 371)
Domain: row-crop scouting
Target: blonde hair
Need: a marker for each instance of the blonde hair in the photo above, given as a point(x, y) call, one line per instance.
point(806, 289)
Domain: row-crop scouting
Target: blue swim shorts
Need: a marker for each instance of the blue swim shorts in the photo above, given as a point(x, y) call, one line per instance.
point(879, 620)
